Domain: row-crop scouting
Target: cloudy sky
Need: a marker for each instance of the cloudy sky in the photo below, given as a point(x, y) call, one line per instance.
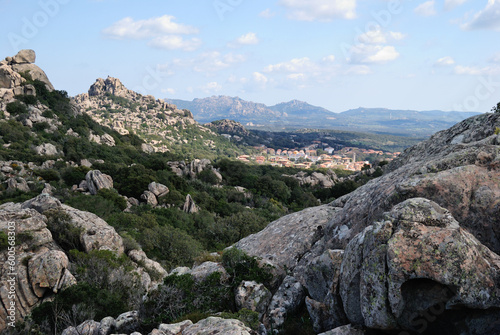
point(339, 54)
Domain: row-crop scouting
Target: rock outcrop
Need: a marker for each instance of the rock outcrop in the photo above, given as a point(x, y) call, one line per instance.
point(39, 267)
point(11, 81)
point(96, 180)
point(315, 179)
point(46, 149)
point(253, 296)
point(189, 205)
point(157, 122)
point(192, 169)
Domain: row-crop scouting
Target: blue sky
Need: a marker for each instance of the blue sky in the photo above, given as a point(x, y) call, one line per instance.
point(338, 54)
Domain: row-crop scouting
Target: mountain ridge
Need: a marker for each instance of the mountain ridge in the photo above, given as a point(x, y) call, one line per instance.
point(300, 114)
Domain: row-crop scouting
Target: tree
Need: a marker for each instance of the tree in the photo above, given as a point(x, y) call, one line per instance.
point(496, 109)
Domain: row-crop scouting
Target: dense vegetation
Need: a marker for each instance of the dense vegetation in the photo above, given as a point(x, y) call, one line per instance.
point(166, 233)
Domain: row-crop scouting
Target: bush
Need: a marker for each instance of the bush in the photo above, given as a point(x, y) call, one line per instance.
point(17, 108)
point(27, 99)
point(64, 232)
point(74, 175)
point(96, 204)
point(242, 267)
point(4, 242)
point(48, 174)
point(248, 317)
point(113, 196)
point(182, 295)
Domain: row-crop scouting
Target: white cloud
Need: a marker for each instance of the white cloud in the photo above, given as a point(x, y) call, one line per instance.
point(247, 39)
point(320, 10)
point(294, 65)
point(373, 54)
point(173, 42)
point(451, 4)
point(477, 71)
point(211, 87)
point(162, 32)
point(127, 28)
point(359, 70)
point(260, 78)
point(267, 13)
point(445, 61)
point(426, 8)
point(170, 91)
point(488, 18)
point(296, 76)
point(329, 58)
point(377, 36)
point(208, 62)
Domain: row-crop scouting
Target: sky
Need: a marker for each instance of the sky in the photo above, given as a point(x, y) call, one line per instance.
point(338, 54)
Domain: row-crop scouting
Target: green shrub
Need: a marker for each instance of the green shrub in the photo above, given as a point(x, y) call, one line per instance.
point(183, 295)
point(64, 232)
point(113, 196)
point(48, 174)
point(74, 175)
point(4, 242)
point(96, 204)
point(16, 108)
point(242, 267)
point(248, 317)
point(27, 99)
point(79, 303)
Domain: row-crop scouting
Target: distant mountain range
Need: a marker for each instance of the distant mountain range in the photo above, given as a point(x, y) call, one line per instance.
point(297, 114)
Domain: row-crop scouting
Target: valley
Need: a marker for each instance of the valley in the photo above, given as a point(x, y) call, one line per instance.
point(132, 216)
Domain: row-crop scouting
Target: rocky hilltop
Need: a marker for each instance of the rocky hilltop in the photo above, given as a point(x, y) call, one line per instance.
point(111, 104)
point(12, 70)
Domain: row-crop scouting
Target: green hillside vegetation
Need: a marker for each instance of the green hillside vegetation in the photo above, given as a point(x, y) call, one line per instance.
point(167, 234)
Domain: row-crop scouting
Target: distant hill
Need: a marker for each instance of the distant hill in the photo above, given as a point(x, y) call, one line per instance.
point(297, 114)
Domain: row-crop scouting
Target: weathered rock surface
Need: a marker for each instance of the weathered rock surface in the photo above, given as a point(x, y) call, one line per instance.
point(19, 184)
point(89, 327)
point(285, 301)
point(415, 260)
point(158, 189)
point(35, 245)
point(97, 180)
point(46, 149)
point(202, 271)
point(24, 56)
point(253, 296)
point(284, 241)
point(215, 325)
point(174, 329)
point(46, 271)
point(96, 234)
point(149, 198)
point(140, 257)
point(345, 330)
point(193, 168)
point(315, 179)
point(189, 205)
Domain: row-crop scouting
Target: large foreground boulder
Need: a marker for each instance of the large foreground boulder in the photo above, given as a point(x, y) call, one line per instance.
point(419, 260)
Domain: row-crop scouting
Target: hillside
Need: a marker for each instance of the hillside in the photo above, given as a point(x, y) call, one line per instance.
point(163, 126)
point(106, 237)
point(298, 115)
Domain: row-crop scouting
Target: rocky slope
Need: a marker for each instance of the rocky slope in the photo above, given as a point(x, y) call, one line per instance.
point(110, 103)
point(42, 268)
point(423, 238)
